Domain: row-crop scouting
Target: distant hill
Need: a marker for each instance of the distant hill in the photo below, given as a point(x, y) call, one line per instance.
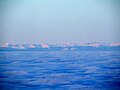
point(94, 46)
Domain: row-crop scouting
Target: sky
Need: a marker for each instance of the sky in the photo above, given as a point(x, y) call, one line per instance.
point(59, 21)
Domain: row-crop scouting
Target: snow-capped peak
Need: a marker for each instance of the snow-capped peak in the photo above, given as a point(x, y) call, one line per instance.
point(114, 44)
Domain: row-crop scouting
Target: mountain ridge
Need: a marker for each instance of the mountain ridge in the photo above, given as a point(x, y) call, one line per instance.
point(93, 46)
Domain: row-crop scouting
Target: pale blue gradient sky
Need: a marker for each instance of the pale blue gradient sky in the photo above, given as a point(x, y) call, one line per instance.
point(59, 21)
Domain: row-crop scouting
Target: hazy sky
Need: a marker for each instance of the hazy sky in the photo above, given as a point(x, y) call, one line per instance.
point(58, 21)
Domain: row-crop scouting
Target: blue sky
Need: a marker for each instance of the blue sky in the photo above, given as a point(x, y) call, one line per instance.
point(59, 21)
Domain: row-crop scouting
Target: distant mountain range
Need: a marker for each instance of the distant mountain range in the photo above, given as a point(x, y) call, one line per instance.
point(94, 46)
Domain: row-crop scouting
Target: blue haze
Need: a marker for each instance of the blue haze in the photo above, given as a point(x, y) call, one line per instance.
point(59, 21)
